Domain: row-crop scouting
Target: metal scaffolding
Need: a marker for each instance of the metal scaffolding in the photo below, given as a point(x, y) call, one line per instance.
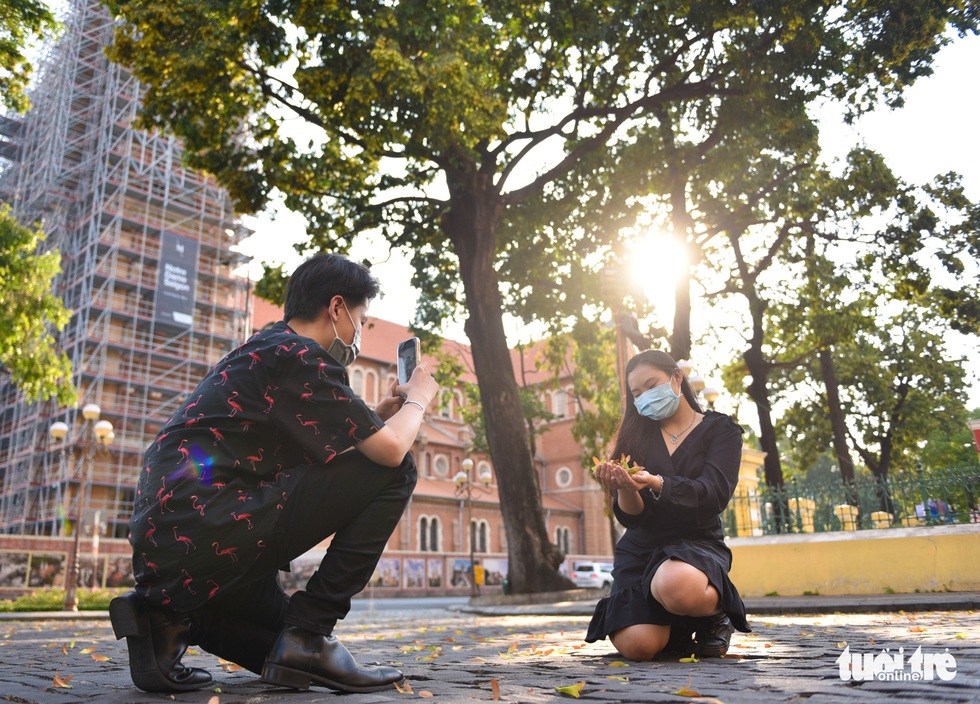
point(110, 197)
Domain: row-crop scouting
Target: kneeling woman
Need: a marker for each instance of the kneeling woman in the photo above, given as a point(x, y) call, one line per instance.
point(670, 570)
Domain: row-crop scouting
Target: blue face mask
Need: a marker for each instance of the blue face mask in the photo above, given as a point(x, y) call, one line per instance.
point(658, 403)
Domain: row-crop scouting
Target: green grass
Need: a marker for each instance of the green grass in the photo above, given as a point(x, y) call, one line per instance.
point(54, 600)
point(813, 593)
point(772, 594)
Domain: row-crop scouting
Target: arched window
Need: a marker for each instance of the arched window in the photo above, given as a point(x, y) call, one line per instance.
point(423, 534)
point(430, 534)
point(458, 398)
point(371, 391)
point(563, 539)
point(559, 403)
point(357, 382)
point(435, 534)
point(479, 535)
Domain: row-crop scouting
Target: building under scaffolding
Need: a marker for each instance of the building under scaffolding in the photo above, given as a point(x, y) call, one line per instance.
point(147, 269)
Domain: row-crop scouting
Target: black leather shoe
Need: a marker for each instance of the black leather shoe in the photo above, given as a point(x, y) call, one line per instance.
point(716, 636)
point(301, 658)
point(157, 640)
point(681, 641)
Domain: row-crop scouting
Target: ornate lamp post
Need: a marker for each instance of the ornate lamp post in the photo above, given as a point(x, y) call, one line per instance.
point(465, 488)
point(100, 437)
point(711, 394)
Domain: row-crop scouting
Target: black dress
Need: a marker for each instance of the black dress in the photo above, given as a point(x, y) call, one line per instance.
point(683, 524)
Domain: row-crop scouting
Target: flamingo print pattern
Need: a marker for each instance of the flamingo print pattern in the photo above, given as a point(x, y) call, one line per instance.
point(279, 392)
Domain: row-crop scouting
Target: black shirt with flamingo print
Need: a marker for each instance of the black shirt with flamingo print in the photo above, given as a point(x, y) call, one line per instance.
point(218, 474)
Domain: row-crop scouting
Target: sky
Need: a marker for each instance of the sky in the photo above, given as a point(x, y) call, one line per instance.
point(935, 132)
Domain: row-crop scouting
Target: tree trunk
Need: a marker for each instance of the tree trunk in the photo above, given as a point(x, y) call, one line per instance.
point(841, 451)
point(533, 559)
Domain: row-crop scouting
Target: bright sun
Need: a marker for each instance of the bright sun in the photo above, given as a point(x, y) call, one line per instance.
point(655, 262)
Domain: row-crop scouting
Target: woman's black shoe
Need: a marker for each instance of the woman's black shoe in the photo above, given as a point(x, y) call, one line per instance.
point(301, 658)
point(715, 637)
point(157, 641)
point(681, 640)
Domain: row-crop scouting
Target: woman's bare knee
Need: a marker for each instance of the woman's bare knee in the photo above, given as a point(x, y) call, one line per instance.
point(641, 642)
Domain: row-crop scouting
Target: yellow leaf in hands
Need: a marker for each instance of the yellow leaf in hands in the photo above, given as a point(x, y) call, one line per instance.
point(572, 690)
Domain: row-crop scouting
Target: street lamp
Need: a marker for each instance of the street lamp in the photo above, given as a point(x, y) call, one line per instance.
point(711, 395)
point(101, 437)
point(465, 488)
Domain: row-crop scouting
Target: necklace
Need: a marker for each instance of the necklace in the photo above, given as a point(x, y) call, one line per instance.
point(674, 439)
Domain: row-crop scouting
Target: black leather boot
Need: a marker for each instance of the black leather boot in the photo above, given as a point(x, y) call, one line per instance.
point(681, 641)
point(715, 636)
point(157, 640)
point(301, 658)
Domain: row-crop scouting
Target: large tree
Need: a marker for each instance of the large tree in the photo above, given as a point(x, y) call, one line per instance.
point(500, 141)
point(28, 313)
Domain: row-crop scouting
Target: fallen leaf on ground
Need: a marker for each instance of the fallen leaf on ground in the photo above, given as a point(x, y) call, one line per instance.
point(690, 659)
point(572, 690)
point(424, 693)
point(917, 629)
point(64, 649)
point(615, 677)
point(100, 658)
point(86, 651)
point(63, 683)
point(618, 663)
point(686, 690)
point(842, 644)
point(495, 688)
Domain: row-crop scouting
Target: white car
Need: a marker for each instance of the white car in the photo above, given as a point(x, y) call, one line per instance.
point(597, 575)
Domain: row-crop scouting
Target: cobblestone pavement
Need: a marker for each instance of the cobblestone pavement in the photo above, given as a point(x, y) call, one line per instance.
point(458, 657)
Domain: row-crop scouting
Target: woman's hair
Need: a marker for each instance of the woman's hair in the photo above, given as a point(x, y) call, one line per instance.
point(637, 434)
point(320, 278)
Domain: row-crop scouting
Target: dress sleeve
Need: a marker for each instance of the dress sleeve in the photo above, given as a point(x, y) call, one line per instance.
point(632, 520)
point(320, 412)
point(693, 497)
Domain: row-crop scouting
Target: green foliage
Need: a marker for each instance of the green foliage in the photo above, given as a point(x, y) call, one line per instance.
point(398, 97)
point(272, 286)
point(54, 600)
point(951, 443)
point(22, 24)
point(28, 309)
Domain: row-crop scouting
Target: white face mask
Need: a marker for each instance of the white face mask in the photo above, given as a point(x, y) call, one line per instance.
point(340, 350)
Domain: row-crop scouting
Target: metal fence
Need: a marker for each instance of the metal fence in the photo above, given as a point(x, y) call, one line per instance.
point(913, 498)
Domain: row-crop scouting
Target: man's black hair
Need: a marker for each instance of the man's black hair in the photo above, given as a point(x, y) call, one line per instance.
point(320, 278)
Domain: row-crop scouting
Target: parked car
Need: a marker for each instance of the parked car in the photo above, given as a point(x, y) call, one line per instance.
point(592, 574)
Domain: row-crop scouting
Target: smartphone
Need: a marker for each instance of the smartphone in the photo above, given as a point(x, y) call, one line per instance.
point(409, 352)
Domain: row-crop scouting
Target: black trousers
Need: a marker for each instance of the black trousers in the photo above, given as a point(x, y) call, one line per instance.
point(353, 499)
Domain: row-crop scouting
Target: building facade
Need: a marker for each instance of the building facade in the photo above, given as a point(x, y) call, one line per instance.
point(147, 261)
